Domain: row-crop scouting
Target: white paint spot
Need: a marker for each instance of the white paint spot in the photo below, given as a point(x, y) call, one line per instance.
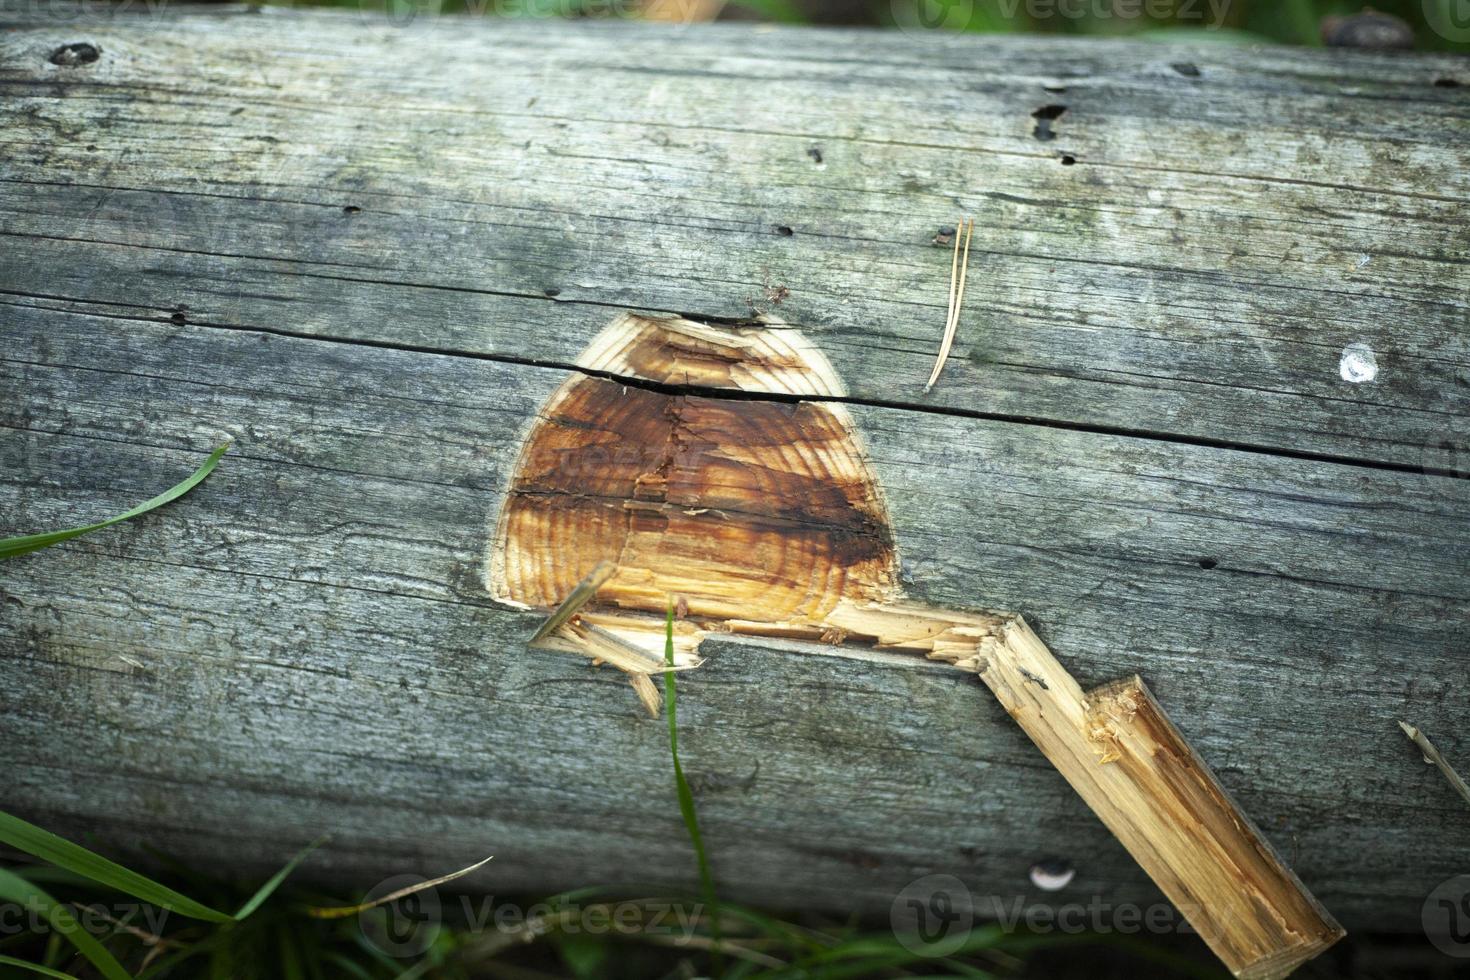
point(1363, 260)
point(1358, 363)
point(1052, 876)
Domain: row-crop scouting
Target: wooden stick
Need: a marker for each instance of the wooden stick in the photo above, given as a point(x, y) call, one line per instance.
point(1125, 758)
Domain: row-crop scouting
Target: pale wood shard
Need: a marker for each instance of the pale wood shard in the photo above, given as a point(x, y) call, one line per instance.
point(648, 694)
point(580, 595)
point(1120, 752)
point(618, 644)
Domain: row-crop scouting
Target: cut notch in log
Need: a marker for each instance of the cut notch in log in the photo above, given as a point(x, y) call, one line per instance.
point(766, 517)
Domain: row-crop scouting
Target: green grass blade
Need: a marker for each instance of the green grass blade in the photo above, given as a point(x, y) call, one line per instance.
point(44, 971)
point(59, 851)
point(12, 547)
point(779, 11)
point(793, 938)
point(346, 965)
point(13, 888)
point(275, 882)
point(291, 968)
point(681, 785)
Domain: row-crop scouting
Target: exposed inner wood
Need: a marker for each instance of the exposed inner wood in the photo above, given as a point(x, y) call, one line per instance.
point(750, 510)
point(673, 350)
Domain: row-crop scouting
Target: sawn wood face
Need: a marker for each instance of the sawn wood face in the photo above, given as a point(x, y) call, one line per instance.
point(750, 510)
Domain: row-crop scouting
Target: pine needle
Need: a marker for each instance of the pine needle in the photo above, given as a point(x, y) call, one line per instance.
point(342, 912)
point(1433, 757)
point(958, 270)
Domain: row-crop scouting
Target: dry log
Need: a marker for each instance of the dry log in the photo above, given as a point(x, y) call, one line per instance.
point(233, 225)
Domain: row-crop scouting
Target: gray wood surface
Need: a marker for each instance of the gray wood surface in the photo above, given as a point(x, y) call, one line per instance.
point(1145, 384)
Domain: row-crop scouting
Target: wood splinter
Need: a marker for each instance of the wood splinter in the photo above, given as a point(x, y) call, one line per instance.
point(605, 646)
point(765, 517)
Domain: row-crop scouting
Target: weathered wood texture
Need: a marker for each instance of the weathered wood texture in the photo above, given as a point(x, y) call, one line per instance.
point(1142, 442)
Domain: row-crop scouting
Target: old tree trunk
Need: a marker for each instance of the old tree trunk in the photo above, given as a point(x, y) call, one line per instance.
point(367, 254)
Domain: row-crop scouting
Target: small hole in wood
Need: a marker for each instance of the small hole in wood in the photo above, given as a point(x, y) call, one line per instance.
point(1044, 117)
point(815, 152)
point(1068, 159)
point(73, 55)
point(1207, 563)
point(551, 293)
point(178, 319)
point(351, 209)
point(783, 230)
point(1186, 69)
point(1446, 83)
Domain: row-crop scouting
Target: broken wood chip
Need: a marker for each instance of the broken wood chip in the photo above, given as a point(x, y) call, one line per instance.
point(606, 646)
point(1433, 757)
point(647, 693)
point(580, 595)
point(834, 635)
point(958, 270)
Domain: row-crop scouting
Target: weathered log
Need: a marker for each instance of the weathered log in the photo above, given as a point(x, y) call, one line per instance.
point(1141, 439)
